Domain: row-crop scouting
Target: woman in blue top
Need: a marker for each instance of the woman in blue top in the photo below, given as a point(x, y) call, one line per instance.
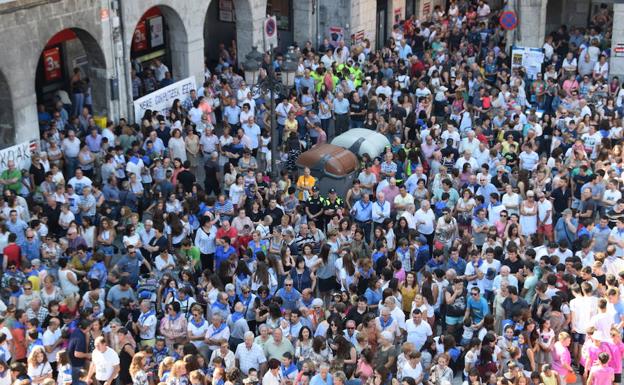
point(373, 294)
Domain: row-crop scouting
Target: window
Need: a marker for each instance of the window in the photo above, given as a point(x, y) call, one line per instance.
point(282, 11)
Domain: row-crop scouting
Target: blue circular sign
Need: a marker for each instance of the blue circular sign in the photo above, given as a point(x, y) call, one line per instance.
point(508, 20)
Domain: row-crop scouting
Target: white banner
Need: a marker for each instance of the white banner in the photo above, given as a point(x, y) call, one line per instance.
point(162, 99)
point(20, 154)
point(529, 58)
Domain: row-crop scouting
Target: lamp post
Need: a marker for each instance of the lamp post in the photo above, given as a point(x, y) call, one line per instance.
point(270, 84)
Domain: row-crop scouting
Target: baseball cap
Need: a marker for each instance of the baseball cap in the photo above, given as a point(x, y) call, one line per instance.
point(332, 190)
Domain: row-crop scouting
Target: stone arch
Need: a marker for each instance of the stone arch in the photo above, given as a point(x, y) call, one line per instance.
point(177, 38)
point(247, 30)
point(87, 54)
point(7, 121)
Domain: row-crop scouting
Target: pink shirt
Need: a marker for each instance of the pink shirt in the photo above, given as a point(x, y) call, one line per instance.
point(616, 351)
point(593, 352)
point(560, 358)
point(601, 375)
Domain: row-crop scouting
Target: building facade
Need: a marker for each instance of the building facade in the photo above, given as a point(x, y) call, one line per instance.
point(44, 40)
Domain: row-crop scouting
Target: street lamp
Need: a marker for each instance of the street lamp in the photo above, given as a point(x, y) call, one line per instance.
point(273, 86)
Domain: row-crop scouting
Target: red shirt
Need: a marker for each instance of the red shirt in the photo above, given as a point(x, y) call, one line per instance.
point(14, 254)
point(231, 233)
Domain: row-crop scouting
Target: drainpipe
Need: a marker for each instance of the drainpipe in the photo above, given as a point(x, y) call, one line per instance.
point(126, 59)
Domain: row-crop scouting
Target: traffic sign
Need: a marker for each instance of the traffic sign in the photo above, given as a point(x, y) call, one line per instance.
point(508, 20)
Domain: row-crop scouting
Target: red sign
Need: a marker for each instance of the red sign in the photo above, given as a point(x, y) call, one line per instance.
point(508, 20)
point(52, 64)
point(426, 9)
point(139, 40)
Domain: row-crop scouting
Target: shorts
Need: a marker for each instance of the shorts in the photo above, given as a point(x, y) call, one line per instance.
point(579, 338)
point(450, 321)
point(546, 230)
point(327, 285)
point(617, 378)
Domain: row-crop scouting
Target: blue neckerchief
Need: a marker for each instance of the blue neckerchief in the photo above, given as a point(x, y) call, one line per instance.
point(377, 255)
point(198, 324)
point(362, 204)
point(18, 325)
point(232, 299)
point(173, 319)
point(145, 316)
point(220, 306)
point(385, 324)
point(478, 263)
point(286, 371)
point(218, 330)
point(171, 290)
point(307, 303)
point(244, 300)
point(236, 316)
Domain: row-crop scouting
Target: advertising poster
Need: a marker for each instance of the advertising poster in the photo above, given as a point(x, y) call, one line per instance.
point(52, 64)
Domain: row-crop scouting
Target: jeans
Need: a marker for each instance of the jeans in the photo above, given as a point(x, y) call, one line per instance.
point(78, 103)
point(76, 374)
point(71, 164)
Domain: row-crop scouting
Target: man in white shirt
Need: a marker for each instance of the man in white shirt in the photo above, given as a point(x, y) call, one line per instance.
point(469, 143)
point(381, 209)
point(249, 355)
point(146, 324)
point(425, 219)
point(252, 130)
point(52, 339)
point(528, 158)
point(417, 330)
point(104, 363)
point(582, 308)
point(384, 89)
point(79, 182)
point(544, 216)
point(402, 200)
point(386, 323)
point(396, 313)
point(208, 142)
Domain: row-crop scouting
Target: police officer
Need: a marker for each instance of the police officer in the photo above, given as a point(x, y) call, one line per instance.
point(331, 204)
point(314, 207)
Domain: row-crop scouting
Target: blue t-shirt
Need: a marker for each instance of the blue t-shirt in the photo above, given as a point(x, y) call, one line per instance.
point(478, 309)
point(619, 311)
point(77, 343)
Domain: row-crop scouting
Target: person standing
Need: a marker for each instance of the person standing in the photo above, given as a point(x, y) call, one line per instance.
point(561, 358)
point(77, 349)
point(104, 364)
point(601, 374)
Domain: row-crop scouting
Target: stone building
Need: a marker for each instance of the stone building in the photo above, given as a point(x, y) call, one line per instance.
point(42, 41)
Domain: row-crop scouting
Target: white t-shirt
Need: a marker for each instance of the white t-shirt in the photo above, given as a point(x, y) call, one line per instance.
point(408, 371)
point(104, 363)
point(197, 331)
point(49, 338)
point(148, 319)
point(583, 308)
point(614, 195)
point(425, 221)
point(39, 370)
point(417, 334)
point(542, 209)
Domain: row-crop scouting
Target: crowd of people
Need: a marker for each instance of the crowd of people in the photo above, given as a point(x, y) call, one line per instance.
point(485, 245)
